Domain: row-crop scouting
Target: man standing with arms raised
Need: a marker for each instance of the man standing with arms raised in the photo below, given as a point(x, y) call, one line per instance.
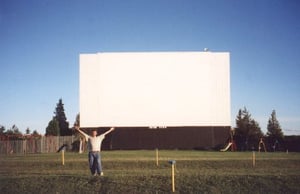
point(94, 147)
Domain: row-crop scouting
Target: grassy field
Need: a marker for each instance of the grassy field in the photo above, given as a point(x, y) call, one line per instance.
point(136, 172)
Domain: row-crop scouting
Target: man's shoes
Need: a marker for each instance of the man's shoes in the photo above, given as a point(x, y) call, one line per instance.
point(99, 174)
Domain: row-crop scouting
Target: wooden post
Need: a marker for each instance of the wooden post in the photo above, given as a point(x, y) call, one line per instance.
point(80, 146)
point(63, 157)
point(156, 157)
point(172, 162)
point(253, 158)
point(173, 177)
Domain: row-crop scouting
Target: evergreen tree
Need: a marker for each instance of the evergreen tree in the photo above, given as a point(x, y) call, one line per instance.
point(61, 118)
point(27, 131)
point(14, 130)
point(247, 131)
point(53, 128)
point(274, 132)
point(35, 132)
point(77, 121)
point(2, 129)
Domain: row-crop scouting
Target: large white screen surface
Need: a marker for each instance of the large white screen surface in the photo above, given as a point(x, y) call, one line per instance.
point(136, 89)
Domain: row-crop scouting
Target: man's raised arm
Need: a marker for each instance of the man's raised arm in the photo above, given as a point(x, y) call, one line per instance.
point(83, 133)
point(110, 130)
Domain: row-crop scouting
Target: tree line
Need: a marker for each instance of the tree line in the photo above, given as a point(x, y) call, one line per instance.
point(57, 126)
point(14, 130)
point(247, 132)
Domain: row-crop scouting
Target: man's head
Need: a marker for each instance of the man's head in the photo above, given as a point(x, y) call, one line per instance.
point(94, 133)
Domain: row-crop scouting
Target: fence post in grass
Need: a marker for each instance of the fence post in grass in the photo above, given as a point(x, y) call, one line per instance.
point(172, 162)
point(253, 158)
point(63, 157)
point(156, 156)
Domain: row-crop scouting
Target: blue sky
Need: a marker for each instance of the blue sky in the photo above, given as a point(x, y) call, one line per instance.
point(40, 43)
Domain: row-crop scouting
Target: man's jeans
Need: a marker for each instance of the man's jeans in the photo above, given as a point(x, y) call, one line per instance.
point(95, 162)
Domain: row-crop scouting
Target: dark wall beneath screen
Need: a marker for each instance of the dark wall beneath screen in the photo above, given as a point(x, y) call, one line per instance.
point(202, 138)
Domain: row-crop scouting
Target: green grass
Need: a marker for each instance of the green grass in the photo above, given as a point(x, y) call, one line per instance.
point(136, 172)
